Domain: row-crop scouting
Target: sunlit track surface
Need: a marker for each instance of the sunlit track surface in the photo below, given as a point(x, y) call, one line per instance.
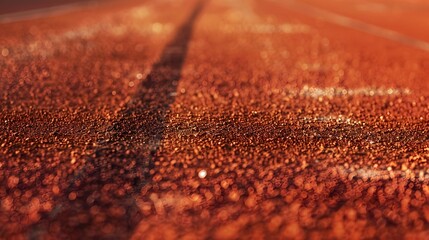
point(212, 120)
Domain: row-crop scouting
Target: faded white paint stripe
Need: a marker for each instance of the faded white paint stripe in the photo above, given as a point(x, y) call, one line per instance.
point(315, 92)
point(44, 12)
point(367, 173)
point(355, 24)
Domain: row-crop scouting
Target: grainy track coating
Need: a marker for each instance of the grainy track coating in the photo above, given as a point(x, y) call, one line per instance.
point(214, 120)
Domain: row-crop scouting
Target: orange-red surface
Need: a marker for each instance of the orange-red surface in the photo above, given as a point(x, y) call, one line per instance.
point(214, 119)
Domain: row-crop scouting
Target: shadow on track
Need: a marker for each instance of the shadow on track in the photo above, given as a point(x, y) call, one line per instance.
point(139, 131)
point(99, 201)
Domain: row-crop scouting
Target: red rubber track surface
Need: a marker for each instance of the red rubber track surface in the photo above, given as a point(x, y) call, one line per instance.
point(216, 120)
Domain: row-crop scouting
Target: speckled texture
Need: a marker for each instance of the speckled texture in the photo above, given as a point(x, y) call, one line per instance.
point(211, 120)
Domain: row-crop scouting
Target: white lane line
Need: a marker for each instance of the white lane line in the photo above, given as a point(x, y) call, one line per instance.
point(315, 92)
point(331, 119)
point(355, 24)
point(44, 12)
point(368, 173)
point(265, 28)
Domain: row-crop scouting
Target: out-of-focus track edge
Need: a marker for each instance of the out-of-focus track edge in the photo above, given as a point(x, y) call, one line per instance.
point(355, 24)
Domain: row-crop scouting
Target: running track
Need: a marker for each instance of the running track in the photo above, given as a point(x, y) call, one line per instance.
point(215, 120)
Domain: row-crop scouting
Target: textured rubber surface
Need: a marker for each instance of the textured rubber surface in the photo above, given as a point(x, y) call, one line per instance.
point(215, 119)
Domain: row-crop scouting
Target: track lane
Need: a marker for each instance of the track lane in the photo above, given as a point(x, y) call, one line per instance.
point(305, 129)
point(288, 114)
point(81, 89)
